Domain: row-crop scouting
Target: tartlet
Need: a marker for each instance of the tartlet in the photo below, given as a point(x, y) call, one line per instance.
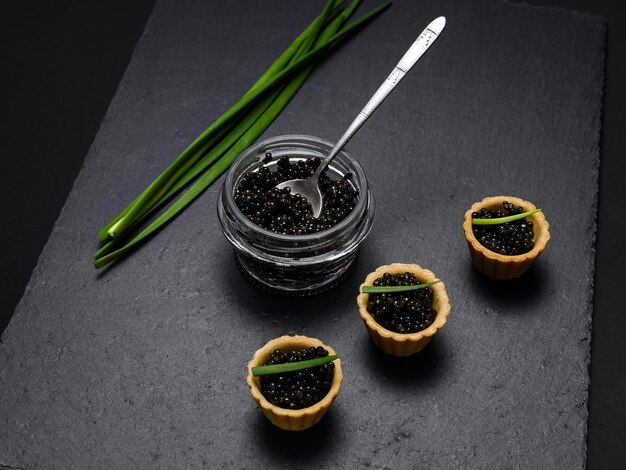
point(495, 265)
point(398, 344)
point(292, 420)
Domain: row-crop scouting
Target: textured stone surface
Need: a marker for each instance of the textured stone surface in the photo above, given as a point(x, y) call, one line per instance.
point(143, 364)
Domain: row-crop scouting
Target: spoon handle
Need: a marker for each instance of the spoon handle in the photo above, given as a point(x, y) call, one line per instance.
point(417, 49)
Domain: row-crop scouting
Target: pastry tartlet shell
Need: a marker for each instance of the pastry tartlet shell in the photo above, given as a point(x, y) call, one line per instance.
point(398, 344)
point(495, 265)
point(292, 420)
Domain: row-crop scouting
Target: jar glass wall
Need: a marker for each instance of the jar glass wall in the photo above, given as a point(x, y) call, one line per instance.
point(295, 264)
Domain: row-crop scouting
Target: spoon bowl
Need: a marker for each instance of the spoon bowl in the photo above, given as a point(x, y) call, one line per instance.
point(308, 188)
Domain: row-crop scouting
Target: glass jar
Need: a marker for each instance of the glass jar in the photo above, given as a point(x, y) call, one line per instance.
point(295, 264)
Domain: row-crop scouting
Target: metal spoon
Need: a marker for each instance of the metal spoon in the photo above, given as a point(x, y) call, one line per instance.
point(309, 188)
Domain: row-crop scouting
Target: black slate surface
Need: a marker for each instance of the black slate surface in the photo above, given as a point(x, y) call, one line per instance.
point(143, 365)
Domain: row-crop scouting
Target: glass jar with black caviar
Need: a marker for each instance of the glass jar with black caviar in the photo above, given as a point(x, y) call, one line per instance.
point(288, 263)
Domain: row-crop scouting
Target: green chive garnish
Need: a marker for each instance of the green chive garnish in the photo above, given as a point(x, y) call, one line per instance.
point(390, 289)
point(217, 147)
point(503, 220)
point(291, 366)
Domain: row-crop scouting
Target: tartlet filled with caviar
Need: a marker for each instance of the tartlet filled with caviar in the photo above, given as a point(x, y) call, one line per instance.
point(403, 323)
point(296, 400)
point(505, 250)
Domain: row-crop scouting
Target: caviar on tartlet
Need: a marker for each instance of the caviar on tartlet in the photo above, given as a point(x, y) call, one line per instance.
point(402, 312)
point(298, 389)
point(403, 323)
point(295, 400)
point(505, 251)
point(279, 211)
point(510, 238)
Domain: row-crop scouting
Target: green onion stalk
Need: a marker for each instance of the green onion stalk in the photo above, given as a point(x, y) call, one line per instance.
point(504, 220)
point(218, 146)
point(292, 366)
point(394, 289)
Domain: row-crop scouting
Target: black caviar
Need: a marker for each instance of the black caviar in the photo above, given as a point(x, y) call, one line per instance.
point(298, 389)
point(510, 238)
point(402, 312)
point(280, 211)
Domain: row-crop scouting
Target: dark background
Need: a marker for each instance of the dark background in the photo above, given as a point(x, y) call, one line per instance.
point(61, 62)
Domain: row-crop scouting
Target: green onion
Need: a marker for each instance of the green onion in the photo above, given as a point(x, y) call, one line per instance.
point(503, 220)
point(192, 153)
point(291, 366)
point(217, 152)
point(391, 289)
point(241, 135)
point(282, 61)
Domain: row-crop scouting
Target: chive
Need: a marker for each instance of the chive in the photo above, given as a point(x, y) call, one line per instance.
point(276, 67)
point(111, 250)
point(391, 289)
point(206, 179)
point(503, 220)
point(317, 27)
point(198, 168)
point(223, 146)
point(291, 366)
point(163, 181)
point(296, 46)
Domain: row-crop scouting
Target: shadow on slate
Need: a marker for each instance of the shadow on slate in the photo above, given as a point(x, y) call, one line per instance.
point(519, 296)
point(144, 365)
point(296, 449)
point(412, 370)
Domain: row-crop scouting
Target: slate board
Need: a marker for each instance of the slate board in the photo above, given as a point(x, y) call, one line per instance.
point(143, 365)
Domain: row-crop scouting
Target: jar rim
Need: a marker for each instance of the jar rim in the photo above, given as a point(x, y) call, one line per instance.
point(359, 176)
